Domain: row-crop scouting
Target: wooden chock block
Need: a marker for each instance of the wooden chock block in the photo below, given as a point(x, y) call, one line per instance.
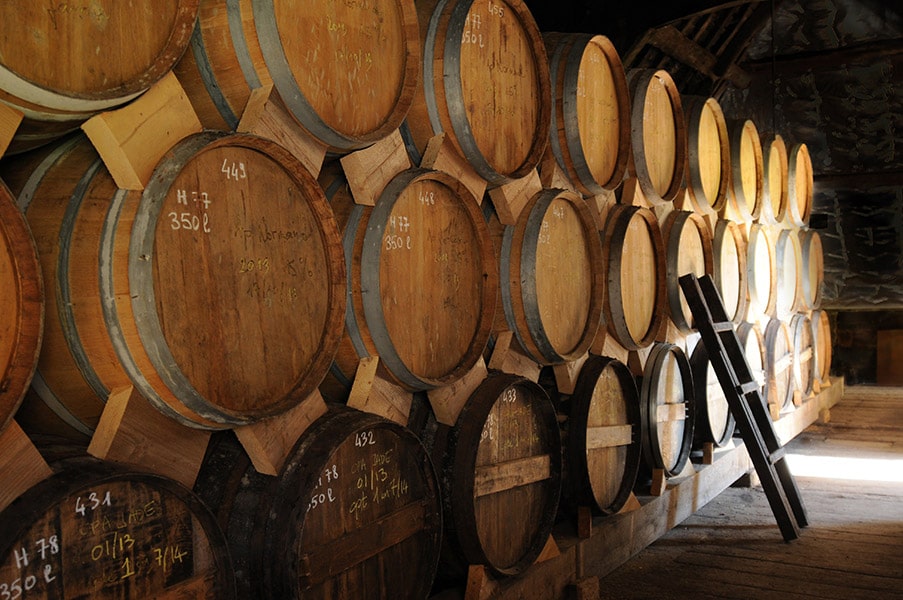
point(605, 344)
point(708, 453)
point(131, 140)
point(440, 155)
point(370, 170)
point(508, 357)
point(566, 374)
point(631, 505)
point(824, 416)
point(479, 584)
point(549, 551)
point(632, 194)
point(600, 204)
point(373, 392)
point(551, 174)
point(269, 442)
point(266, 115)
point(131, 431)
point(775, 411)
point(511, 198)
point(21, 465)
point(584, 522)
point(447, 401)
point(9, 123)
point(659, 482)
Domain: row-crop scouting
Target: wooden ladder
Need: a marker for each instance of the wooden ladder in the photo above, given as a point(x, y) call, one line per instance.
point(746, 403)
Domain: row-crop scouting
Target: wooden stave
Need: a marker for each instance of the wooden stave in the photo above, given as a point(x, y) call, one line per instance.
point(581, 482)
point(51, 113)
point(779, 364)
point(674, 227)
point(566, 52)
point(455, 455)
point(76, 474)
point(613, 236)
point(269, 556)
point(639, 81)
point(24, 324)
point(740, 132)
point(441, 107)
point(729, 232)
point(649, 393)
point(695, 107)
point(703, 376)
point(236, 51)
point(517, 265)
point(799, 185)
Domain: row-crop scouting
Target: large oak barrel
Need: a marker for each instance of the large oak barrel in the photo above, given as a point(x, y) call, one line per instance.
point(486, 85)
point(21, 306)
point(551, 277)
point(761, 279)
point(714, 419)
point(423, 280)
point(747, 170)
point(778, 365)
point(787, 274)
point(61, 62)
point(355, 512)
point(633, 254)
point(93, 530)
point(729, 268)
point(667, 409)
point(688, 244)
point(658, 134)
point(821, 343)
point(221, 310)
point(812, 273)
point(799, 185)
point(500, 467)
point(774, 205)
point(708, 153)
point(753, 344)
point(346, 71)
point(603, 436)
point(591, 110)
point(803, 356)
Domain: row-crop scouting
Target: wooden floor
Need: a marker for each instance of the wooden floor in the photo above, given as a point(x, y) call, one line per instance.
point(853, 547)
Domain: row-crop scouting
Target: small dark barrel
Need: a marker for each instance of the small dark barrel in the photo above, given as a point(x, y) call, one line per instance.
point(778, 365)
point(61, 62)
point(761, 277)
point(714, 419)
point(668, 409)
point(803, 356)
point(21, 306)
point(747, 171)
point(194, 261)
point(799, 185)
point(500, 467)
point(633, 256)
point(658, 134)
point(355, 510)
point(774, 206)
point(602, 452)
point(486, 85)
point(708, 153)
point(688, 247)
point(552, 278)
point(93, 530)
point(590, 110)
point(346, 71)
point(729, 268)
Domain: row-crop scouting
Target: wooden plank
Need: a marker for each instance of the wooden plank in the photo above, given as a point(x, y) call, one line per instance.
point(608, 436)
point(672, 42)
point(503, 476)
point(671, 412)
point(21, 465)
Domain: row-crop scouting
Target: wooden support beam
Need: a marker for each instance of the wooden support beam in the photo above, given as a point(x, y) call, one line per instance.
point(675, 44)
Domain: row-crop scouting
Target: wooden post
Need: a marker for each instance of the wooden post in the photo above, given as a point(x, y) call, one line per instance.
point(659, 482)
point(708, 453)
point(584, 522)
point(21, 465)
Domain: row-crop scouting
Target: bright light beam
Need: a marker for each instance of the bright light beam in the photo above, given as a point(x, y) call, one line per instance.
point(839, 467)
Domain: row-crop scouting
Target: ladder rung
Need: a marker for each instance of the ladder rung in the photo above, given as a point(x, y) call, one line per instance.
point(746, 388)
point(777, 455)
point(723, 326)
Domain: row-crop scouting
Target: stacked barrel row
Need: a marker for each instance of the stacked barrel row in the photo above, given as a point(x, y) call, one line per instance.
point(240, 280)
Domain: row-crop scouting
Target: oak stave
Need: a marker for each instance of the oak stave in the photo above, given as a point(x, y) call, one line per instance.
point(708, 153)
point(729, 273)
point(688, 244)
point(746, 193)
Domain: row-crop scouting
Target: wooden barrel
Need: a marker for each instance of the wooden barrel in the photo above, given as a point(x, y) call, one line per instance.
point(821, 343)
point(551, 277)
point(761, 278)
point(590, 110)
point(423, 280)
point(52, 73)
point(753, 344)
point(658, 134)
point(602, 453)
point(787, 271)
point(729, 268)
point(500, 467)
point(778, 365)
point(667, 408)
point(193, 261)
point(486, 85)
point(688, 243)
point(799, 185)
point(803, 356)
point(21, 306)
point(774, 205)
point(355, 511)
point(93, 530)
point(812, 273)
point(747, 171)
point(714, 420)
point(633, 253)
point(347, 72)
point(708, 153)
